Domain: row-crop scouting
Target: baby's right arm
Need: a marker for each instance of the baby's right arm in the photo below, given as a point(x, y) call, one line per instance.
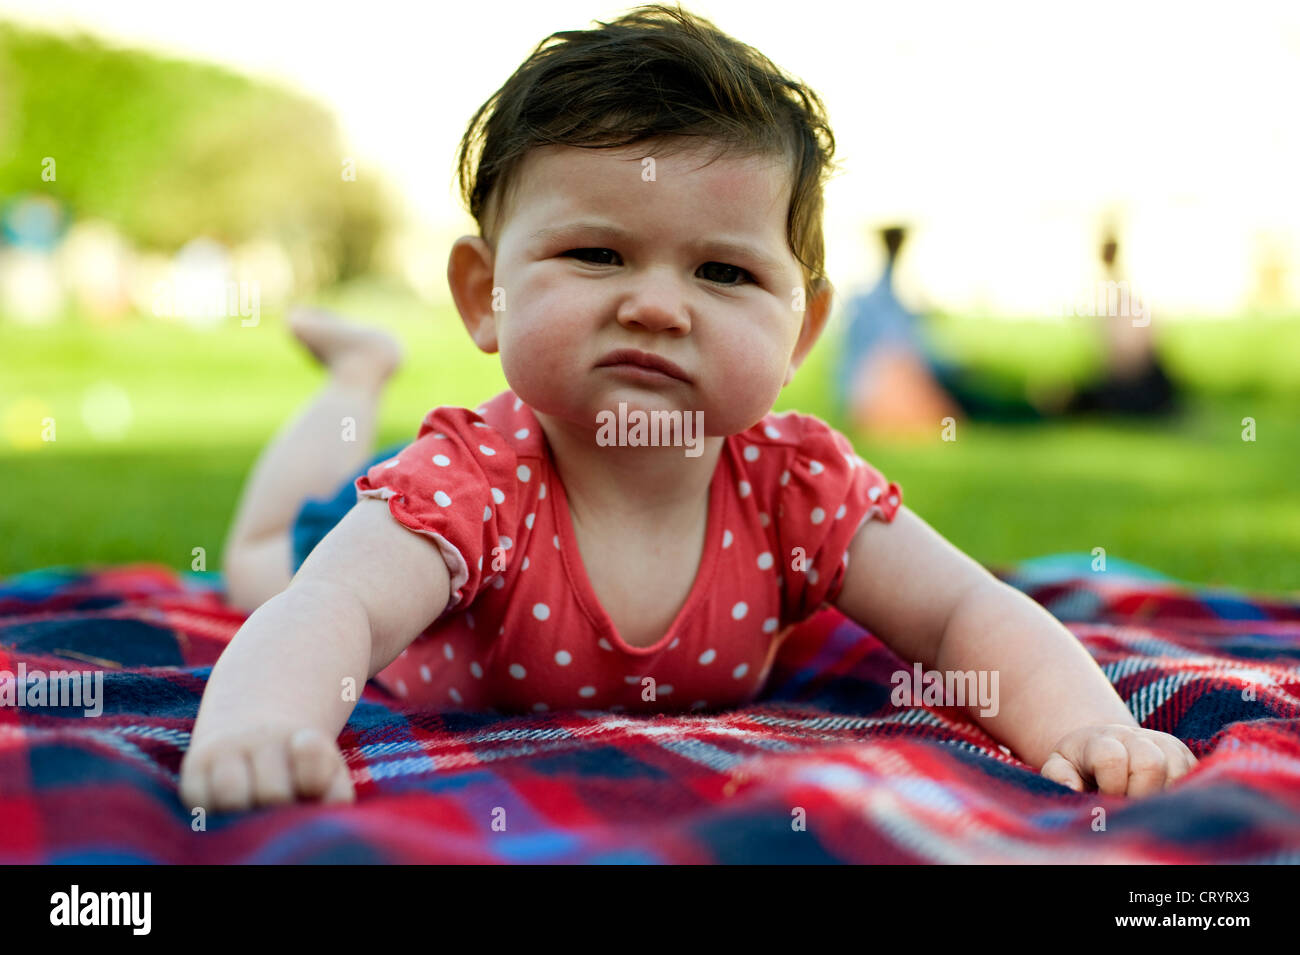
point(277, 698)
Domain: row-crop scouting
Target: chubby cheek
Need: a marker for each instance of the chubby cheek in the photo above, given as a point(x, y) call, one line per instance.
point(531, 360)
point(745, 383)
point(540, 350)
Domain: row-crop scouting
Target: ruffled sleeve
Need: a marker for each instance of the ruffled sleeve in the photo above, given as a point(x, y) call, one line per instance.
point(827, 493)
point(455, 484)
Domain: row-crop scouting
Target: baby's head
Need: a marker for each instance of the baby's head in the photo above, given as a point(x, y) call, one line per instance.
point(653, 185)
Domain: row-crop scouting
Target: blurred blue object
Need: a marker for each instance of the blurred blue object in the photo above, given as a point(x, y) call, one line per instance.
point(317, 516)
point(1051, 567)
point(32, 222)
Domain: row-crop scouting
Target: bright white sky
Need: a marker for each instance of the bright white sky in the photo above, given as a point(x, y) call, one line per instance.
point(1003, 131)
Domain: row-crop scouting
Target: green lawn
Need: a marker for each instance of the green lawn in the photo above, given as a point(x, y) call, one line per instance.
point(1188, 497)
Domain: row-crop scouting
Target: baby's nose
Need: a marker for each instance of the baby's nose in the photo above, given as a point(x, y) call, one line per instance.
point(658, 306)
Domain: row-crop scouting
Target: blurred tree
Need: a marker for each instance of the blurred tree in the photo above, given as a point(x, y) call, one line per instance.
point(168, 149)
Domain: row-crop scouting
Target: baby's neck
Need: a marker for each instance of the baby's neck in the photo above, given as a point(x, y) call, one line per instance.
point(638, 484)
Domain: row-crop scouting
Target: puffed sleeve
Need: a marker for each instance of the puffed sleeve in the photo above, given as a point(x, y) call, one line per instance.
point(827, 493)
point(457, 485)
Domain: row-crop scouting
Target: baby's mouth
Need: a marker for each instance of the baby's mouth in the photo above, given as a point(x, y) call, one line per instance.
point(644, 375)
point(644, 365)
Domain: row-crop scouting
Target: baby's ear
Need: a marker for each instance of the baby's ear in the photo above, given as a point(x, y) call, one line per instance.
point(470, 268)
point(816, 311)
point(484, 334)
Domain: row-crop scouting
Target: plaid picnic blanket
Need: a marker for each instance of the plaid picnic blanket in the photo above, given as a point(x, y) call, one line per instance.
point(823, 769)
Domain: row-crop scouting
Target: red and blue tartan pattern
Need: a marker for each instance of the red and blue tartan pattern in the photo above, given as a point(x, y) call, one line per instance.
point(874, 783)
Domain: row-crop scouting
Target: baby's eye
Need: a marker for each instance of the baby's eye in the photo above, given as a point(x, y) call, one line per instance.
point(582, 253)
point(728, 269)
point(730, 274)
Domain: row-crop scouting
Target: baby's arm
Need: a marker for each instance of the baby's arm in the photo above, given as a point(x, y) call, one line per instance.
point(1055, 708)
point(275, 703)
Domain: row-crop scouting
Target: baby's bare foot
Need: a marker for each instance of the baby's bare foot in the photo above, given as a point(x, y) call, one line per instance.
point(357, 353)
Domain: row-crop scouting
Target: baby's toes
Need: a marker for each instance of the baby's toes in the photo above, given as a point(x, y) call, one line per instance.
point(314, 761)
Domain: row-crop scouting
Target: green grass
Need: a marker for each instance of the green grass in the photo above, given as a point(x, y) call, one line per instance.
point(1188, 497)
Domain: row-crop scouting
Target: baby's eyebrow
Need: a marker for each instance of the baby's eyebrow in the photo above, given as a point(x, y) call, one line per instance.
point(723, 246)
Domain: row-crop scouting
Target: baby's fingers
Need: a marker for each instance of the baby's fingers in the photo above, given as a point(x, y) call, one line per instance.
point(272, 779)
point(1061, 770)
point(341, 789)
point(1178, 757)
point(215, 779)
point(194, 784)
point(230, 787)
point(1147, 765)
point(318, 767)
point(1106, 759)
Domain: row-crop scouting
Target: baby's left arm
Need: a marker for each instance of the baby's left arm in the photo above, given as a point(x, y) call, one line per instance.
point(1055, 708)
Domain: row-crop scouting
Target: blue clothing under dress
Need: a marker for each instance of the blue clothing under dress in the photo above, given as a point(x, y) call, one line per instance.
point(317, 516)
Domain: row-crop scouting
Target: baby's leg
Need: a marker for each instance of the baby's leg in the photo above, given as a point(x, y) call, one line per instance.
point(310, 456)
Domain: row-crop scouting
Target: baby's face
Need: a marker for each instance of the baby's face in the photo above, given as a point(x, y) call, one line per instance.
point(692, 266)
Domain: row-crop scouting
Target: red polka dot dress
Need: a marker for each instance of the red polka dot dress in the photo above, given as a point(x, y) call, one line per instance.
point(524, 631)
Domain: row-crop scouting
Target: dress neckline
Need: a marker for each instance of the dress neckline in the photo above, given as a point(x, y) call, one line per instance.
point(571, 555)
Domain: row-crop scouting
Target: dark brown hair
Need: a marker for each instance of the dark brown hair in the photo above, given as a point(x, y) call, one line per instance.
point(655, 73)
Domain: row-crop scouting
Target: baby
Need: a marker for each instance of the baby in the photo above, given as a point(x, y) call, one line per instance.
point(649, 197)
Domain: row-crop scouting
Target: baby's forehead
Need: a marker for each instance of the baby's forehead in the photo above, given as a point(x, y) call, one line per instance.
point(735, 192)
point(650, 162)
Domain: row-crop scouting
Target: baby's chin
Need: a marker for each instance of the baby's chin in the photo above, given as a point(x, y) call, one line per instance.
point(578, 399)
point(623, 409)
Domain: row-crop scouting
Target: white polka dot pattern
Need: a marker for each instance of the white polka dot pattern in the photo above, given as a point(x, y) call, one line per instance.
point(829, 493)
point(479, 490)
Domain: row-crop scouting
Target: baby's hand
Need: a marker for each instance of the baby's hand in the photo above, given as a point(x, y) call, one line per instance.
point(1120, 759)
point(263, 766)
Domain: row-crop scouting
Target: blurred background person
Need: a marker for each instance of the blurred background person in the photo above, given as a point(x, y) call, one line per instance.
point(1133, 380)
point(887, 370)
point(892, 379)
